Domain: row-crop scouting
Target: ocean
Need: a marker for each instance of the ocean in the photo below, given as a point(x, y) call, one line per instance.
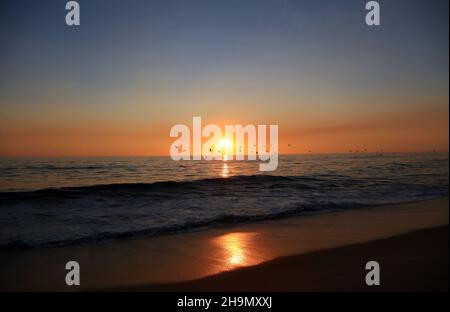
point(49, 202)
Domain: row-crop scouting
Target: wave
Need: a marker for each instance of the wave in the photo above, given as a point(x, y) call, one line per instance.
point(96, 213)
point(222, 220)
point(121, 188)
point(317, 182)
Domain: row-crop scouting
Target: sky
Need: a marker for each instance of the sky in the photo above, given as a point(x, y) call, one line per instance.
point(116, 84)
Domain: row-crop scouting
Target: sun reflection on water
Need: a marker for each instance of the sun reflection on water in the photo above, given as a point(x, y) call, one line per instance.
point(225, 170)
point(236, 248)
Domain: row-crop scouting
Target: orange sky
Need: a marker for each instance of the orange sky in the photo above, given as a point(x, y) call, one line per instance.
point(411, 131)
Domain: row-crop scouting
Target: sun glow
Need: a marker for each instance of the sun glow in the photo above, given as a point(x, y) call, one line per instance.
point(225, 146)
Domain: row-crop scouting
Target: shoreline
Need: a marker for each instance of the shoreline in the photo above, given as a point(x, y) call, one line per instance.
point(194, 255)
point(217, 226)
point(337, 269)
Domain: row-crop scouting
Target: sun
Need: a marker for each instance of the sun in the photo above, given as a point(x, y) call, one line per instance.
point(225, 146)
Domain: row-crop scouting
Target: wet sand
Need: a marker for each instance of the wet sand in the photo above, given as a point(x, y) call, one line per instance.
point(320, 262)
point(416, 261)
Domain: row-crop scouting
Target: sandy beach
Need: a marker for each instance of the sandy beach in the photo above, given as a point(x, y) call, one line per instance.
point(408, 263)
point(307, 253)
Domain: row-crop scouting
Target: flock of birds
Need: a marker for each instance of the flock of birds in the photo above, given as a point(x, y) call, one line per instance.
point(378, 152)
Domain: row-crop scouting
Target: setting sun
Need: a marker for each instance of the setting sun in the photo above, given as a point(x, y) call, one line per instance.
point(224, 146)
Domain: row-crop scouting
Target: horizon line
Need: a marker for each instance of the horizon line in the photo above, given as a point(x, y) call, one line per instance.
point(281, 154)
